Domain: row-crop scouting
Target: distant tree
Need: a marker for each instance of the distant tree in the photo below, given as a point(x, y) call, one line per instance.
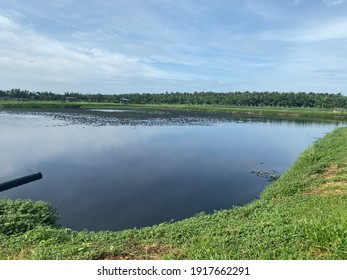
point(286, 99)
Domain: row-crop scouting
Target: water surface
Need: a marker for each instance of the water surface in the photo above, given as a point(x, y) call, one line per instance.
point(115, 170)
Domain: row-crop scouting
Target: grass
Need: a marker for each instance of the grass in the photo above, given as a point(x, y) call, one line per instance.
point(302, 215)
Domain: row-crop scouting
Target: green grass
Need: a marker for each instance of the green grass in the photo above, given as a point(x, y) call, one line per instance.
point(302, 215)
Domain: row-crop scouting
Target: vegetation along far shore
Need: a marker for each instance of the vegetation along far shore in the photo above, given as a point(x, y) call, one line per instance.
point(301, 105)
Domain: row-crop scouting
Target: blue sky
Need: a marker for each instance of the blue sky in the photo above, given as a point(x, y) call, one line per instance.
point(124, 46)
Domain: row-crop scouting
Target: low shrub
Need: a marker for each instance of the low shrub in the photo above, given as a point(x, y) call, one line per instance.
point(19, 216)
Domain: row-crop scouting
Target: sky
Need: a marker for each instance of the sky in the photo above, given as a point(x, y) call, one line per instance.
point(154, 46)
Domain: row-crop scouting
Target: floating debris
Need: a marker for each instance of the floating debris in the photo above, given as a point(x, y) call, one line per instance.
point(271, 176)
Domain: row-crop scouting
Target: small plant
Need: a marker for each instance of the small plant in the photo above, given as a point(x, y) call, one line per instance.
point(19, 216)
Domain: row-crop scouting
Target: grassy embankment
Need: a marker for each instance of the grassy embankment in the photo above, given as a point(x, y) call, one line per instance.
point(302, 215)
point(272, 112)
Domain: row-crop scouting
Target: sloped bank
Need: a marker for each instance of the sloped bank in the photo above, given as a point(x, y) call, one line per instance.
point(302, 215)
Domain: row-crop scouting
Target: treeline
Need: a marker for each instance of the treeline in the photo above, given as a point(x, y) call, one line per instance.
point(261, 99)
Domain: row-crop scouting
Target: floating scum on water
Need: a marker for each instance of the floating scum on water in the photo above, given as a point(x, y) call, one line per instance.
point(271, 176)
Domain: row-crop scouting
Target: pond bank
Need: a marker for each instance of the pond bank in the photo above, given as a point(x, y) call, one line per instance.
point(302, 215)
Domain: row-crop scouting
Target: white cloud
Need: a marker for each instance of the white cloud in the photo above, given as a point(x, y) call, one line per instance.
point(264, 10)
point(28, 55)
point(6, 23)
point(321, 31)
point(334, 2)
point(335, 30)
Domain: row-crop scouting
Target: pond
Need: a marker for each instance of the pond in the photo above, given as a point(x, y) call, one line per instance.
point(111, 170)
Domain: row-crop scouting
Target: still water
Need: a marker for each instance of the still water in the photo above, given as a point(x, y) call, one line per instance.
point(109, 170)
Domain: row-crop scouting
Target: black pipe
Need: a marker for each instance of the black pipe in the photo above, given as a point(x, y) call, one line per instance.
point(20, 181)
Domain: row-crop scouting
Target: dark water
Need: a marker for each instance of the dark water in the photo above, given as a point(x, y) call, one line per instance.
point(116, 170)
